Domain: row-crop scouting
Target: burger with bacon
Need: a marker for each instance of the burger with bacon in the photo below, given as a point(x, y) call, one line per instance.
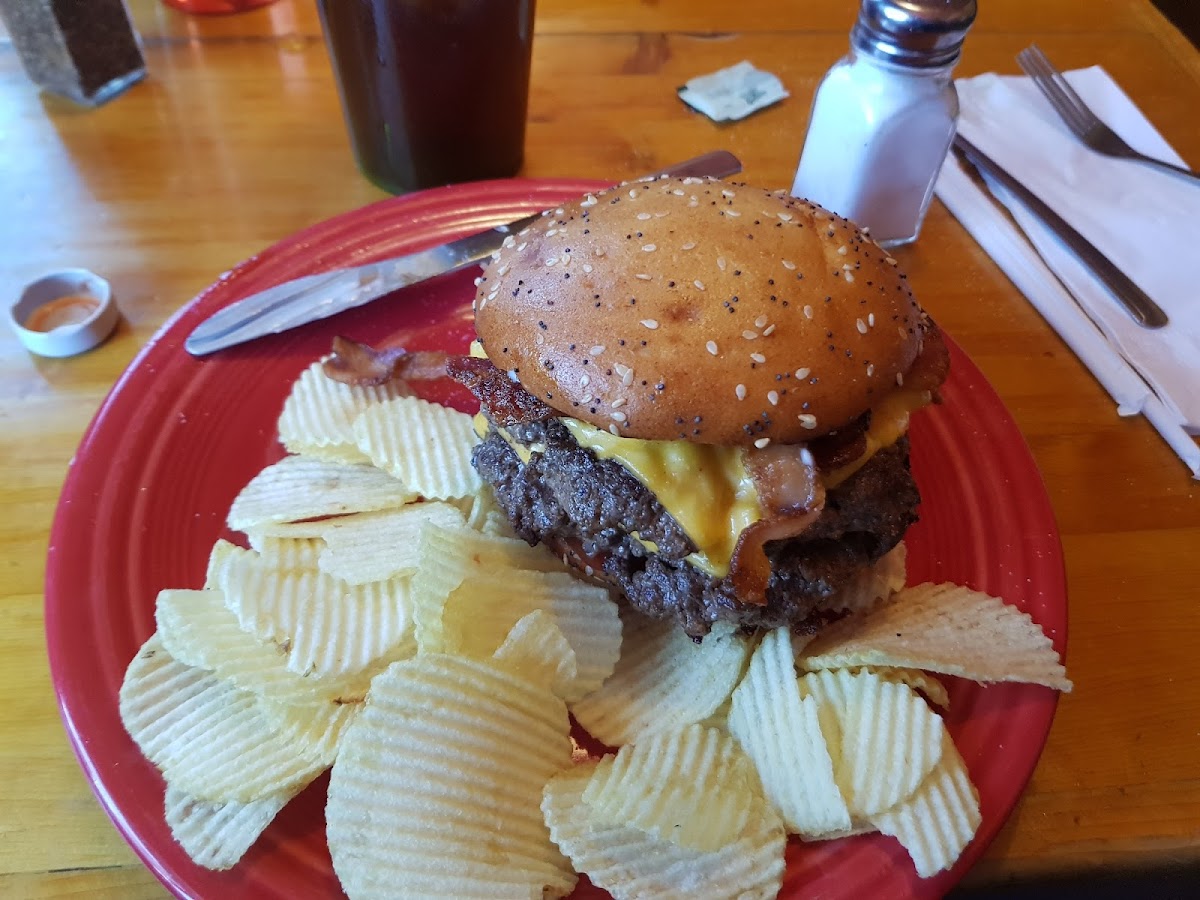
point(699, 393)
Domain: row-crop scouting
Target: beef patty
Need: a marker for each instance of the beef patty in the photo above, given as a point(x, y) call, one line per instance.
point(567, 497)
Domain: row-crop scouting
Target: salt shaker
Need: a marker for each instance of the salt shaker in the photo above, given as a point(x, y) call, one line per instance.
point(884, 116)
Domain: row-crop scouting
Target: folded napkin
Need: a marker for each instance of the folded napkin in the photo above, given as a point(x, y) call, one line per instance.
point(1146, 221)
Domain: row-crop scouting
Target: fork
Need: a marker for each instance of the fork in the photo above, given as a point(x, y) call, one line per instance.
point(1079, 118)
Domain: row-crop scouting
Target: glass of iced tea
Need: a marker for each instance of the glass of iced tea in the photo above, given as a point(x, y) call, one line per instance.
point(434, 91)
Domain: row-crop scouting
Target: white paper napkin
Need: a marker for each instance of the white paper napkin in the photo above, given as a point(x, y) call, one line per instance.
point(1146, 221)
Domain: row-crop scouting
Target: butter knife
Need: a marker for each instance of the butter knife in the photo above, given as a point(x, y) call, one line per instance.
point(1137, 302)
point(314, 297)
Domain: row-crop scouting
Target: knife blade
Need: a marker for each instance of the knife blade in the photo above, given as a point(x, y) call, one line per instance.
point(312, 297)
point(1137, 302)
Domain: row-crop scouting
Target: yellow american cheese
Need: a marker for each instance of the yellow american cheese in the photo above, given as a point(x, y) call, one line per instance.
point(889, 422)
point(705, 488)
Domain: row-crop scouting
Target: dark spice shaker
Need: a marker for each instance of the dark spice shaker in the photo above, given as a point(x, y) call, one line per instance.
point(84, 50)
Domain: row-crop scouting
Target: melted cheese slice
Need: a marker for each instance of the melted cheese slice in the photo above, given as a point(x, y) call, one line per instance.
point(889, 423)
point(706, 488)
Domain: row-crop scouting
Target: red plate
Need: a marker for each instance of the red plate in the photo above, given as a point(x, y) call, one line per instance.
point(178, 437)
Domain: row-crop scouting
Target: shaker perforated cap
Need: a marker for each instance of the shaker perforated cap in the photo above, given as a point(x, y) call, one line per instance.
point(918, 33)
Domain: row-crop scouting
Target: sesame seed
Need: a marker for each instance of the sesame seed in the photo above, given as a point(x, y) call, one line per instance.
point(889, 261)
point(803, 372)
point(650, 323)
point(643, 216)
point(619, 416)
point(711, 346)
point(699, 284)
point(849, 278)
point(843, 250)
point(760, 321)
point(585, 380)
point(750, 335)
point(789, 265)
point(503, 270)
point(678, 192)
point(773, 397)
point(633, 195)
point(620, 368)
point(597, 350)
point(552, 232)
point(721, 263)
point(786, 217)
point(762, 442)
point(552, 260)
point(522, 246)
point(643, 276)
point(757, 357)
point(588, 201)
point(613, 430)
point(732, 212)
point(861, 326)
point(728, 193)
point(541, 339)
point(900, 379)
point(586, 398)
point(509, 241)
point(478, 282)
point(870, 369)
point(587, 267)
point(649, 248)
point(806, 457)
point(627, 378)
point(768, 330)
point(690, 245)
point(808, 311)
point(807, 420)
point(619, 402)
point(740, 392)
point(871, 320)
point(599, 251)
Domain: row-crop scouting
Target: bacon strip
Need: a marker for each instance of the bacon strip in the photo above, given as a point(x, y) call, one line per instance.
point(506, 402)
point(363, 365)
point(843, 446)
point(792, 498)
point(932, 364)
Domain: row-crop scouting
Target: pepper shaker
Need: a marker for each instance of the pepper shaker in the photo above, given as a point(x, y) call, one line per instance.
point(884, 116)
point(84, 50)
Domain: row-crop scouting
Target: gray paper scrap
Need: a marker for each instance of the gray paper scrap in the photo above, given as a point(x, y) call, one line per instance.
point(733, 93)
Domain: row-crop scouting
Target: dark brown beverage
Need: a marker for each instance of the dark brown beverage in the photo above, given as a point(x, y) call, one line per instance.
point(434, 91)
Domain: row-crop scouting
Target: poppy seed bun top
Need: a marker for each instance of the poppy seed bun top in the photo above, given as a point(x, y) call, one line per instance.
point(701, 310)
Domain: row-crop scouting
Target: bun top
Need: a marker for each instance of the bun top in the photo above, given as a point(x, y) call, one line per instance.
point(700, 310)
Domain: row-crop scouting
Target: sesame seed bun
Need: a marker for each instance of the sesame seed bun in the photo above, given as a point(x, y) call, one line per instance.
point(698, 309)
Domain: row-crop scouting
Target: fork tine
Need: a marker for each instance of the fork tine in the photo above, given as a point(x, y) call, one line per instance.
point(1060, 79)
point(1035, 64)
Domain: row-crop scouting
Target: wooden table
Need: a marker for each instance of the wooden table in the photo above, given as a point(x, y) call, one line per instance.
point(236, 140)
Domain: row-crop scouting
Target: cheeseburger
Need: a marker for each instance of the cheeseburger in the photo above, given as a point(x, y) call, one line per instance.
point(699, 392)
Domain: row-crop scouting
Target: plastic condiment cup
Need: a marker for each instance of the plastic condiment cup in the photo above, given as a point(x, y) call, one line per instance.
point(64, 313)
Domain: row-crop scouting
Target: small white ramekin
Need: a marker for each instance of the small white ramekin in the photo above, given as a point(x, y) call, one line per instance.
point(66, 340)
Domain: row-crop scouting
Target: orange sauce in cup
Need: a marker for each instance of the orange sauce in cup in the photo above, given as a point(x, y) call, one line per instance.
point(61, 312)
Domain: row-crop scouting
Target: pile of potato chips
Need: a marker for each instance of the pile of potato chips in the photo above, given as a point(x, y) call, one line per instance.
point(384, 620)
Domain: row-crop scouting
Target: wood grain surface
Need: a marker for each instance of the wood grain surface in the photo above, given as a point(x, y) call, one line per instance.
point(236, 139)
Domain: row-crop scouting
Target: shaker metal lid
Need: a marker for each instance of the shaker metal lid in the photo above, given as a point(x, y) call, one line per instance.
point(920, 33)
